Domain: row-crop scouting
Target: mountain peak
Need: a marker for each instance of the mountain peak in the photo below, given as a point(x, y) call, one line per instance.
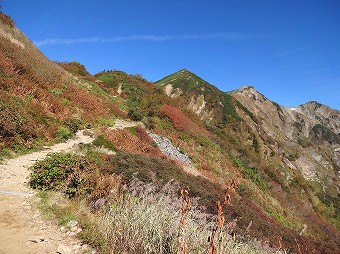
point(312, 105)
point(184, 71)
point(249, 91)
point(187, 81)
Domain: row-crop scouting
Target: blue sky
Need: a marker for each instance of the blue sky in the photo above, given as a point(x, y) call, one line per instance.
point(288, 49)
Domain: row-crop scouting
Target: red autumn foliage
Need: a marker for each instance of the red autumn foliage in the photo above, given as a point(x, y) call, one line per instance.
point(180, 121)
point(126, 141)
point(143, 135)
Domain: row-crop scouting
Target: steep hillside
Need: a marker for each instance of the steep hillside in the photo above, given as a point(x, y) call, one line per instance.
point(39, 100)
point(319, 114)
point(285, 161)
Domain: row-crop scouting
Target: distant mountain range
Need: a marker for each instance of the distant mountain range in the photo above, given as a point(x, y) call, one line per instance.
point(306, 138)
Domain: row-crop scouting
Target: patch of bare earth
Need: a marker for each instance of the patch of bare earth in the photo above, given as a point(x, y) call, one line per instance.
point(22, 228)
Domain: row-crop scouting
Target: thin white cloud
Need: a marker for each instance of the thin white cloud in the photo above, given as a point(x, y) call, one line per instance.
point(151, 38)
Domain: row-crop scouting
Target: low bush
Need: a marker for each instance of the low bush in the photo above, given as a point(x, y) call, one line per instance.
point(72, 175)
point(64, 133)
point(256, 177)
point(58, 172)
point(106, 121)
point(73, 124)
point(100, 141)
point(136, 114)
point(180, 121)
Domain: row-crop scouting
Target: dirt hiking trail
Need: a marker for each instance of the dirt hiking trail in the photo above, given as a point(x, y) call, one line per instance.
point(22, 227)
point(23, 230)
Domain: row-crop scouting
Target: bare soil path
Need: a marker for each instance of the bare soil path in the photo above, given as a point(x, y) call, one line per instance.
point(22, 227)
point(23, 230)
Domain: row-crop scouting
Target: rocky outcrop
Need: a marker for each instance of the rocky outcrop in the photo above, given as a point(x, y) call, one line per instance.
point(172, 92)
point(321, 114)
point(307, 136)
point(168, 149)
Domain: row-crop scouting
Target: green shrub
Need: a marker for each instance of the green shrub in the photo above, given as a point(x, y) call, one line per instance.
point(255, 176)
point(73, 124)
point(65, 102)
point(106, 121)
point(132, 130)
point(136, 114)
point(238, 162)
point(206, 142)
point(63, 133)
point(56, 91)
point(58, 172)
point(100, 141)
point(5, 153)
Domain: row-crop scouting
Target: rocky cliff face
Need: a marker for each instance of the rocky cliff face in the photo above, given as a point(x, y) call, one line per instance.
point(307, 137)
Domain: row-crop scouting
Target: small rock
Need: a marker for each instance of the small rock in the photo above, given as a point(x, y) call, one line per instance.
point(88, 133)
point(73, 229)
point(72, 223)
point(72, 234)
point(62, 229)
point(79, 230)
point(36, 216)
point(99, 203)
point(76, 247)
point(85, 246)
point(36, 239)
point(63, 249)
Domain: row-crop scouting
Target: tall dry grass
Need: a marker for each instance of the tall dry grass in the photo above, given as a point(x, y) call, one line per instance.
point(156, 221)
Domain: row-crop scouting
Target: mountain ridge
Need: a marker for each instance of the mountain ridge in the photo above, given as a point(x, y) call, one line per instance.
point(296, 136)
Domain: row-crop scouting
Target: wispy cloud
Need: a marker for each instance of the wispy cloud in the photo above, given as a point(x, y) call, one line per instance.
point(150, 38)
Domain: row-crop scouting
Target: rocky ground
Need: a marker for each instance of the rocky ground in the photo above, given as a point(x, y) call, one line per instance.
point(168, 149)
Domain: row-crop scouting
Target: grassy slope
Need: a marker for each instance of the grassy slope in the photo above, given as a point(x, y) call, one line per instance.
point(39, 100)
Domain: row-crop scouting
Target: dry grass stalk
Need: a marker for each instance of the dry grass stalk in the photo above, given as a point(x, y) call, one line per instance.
point(249, 226)
point(212, 248)
point(186, 204)
point(221, 219)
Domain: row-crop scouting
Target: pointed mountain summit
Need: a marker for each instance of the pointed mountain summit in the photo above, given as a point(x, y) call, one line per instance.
point(187, 81)
point(204, 99)
point(321, 114)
